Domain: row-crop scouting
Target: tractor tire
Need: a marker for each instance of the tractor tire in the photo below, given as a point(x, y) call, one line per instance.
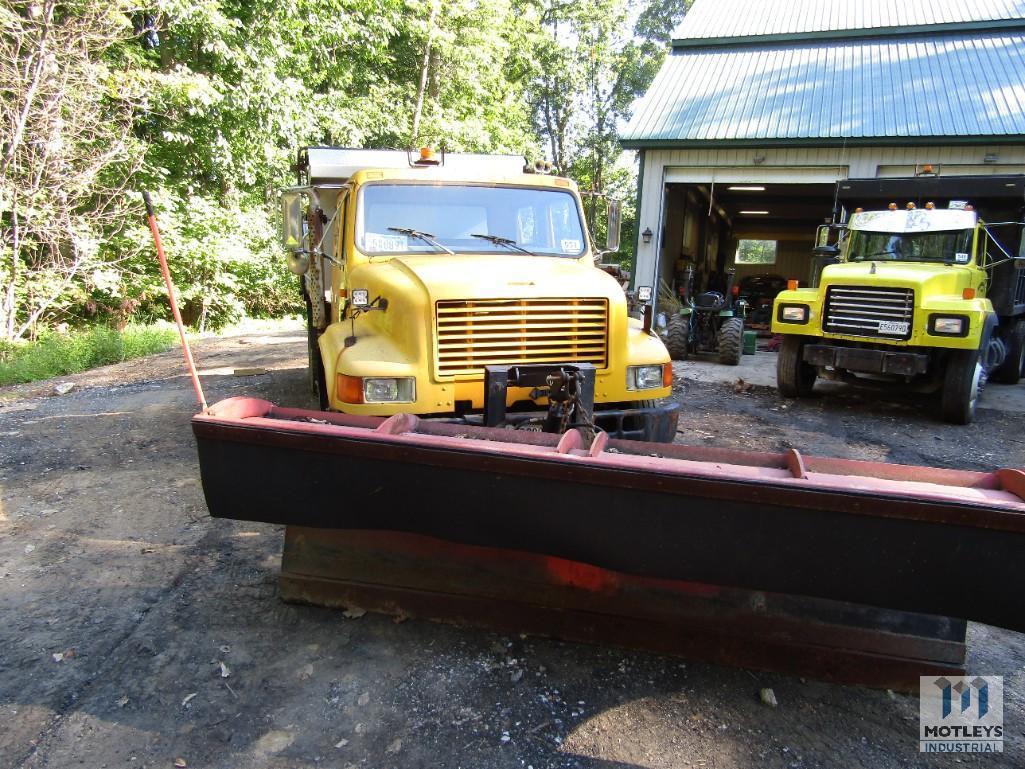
point(731, 341)
point(1011, 370)
point(678, 337)
point(962, 385)
point(794, 377)
point(316, 363)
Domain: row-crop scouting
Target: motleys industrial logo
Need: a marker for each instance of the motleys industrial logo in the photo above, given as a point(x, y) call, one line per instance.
point(961, 714)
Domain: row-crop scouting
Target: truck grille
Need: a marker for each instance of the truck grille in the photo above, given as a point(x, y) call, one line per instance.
point(476, 333)
point(885, 313)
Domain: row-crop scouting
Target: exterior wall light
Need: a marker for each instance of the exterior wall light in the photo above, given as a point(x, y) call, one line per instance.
point(646, 235)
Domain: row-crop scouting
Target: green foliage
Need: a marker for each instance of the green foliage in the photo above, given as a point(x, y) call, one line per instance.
point(756, 252)
point(206, 102)
point(56, 354)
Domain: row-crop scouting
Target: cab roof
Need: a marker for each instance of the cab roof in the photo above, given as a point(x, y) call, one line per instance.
point(336, 164)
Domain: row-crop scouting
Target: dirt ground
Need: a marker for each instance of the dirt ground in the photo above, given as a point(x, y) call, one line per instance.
point(137, 631)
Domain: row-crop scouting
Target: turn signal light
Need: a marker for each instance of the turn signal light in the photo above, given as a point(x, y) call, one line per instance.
point(426, 153)
point(792, 284)
point(968, 293)
point(892, 206)
point(911, 206)
point(930, 205)
point(667, 374)
point(350, 389)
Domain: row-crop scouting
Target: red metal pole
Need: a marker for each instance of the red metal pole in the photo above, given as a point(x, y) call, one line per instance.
point(189, 362)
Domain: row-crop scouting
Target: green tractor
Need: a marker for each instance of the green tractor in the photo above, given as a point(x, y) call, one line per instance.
point(711, 322)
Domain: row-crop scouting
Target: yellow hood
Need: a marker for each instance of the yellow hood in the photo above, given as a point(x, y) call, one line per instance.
point(927, 279)
point(500, 276)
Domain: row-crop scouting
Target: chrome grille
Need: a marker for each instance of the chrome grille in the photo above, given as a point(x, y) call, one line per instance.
point(476, 333)
point(881, 313)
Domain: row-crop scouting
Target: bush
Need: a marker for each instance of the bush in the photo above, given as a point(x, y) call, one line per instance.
point(58, 354)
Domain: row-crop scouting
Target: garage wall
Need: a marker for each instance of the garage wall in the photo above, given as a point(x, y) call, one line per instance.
point(795, 164)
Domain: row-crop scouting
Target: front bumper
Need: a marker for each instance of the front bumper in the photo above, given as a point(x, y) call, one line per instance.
point(866, 361)
point(655, 424)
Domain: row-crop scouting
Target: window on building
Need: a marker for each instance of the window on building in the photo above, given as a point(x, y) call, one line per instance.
point(756, 252)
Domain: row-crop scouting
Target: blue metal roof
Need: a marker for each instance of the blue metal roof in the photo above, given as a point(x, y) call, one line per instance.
point(728, 20)
point(956, 86)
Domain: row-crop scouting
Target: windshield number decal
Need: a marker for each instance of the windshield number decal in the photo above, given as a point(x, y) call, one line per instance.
point(893, 327)
point(961, 257)
point(377, 242)
point(570, 245)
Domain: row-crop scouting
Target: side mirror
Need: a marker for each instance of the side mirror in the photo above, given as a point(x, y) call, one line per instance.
point(615, 225)
point(292, 222)
point(826, 251)
point(298, 262)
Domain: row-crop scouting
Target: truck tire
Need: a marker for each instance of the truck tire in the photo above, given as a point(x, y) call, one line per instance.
point(794, 377)
point(316, 363)
point(731, 341)
point(1010, 371)
point(678, 337)
point(962, 384)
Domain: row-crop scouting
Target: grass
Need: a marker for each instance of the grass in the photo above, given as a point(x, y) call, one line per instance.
point(59, 354)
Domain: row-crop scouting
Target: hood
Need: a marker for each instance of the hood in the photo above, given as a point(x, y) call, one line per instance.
point(499, 276)
point(933, 279)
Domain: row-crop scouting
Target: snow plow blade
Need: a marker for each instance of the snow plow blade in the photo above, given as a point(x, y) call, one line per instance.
point(914, 539)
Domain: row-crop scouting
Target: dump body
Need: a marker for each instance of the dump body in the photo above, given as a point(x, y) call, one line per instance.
point(431, 272)
point(889, 536)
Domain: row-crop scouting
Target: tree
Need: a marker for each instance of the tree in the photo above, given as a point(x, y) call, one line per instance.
point(590, 66)
point(68, 154)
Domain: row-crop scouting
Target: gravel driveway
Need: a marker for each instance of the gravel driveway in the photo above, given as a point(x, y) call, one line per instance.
point(139, 632)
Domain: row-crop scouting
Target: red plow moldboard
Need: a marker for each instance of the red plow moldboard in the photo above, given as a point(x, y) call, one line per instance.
point(915, 539)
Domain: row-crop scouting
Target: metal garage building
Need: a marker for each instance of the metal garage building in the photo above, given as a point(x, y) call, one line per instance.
point(770, 117)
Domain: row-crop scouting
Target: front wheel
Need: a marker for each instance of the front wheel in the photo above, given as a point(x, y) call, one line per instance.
point(731, 341)
point(316, 363)
point(962, 383)
point(794, 377)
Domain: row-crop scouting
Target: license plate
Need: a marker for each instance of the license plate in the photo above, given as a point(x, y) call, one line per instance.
point(893, 327)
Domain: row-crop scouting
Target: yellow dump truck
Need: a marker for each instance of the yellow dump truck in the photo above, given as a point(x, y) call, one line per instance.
point(466, 287)
point(926, 297)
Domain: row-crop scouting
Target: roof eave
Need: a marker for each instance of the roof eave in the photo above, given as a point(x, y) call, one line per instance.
point(860, 141)
point(998, 25)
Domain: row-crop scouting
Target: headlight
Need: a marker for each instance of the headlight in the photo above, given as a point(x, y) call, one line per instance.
point(948, 326)
point(793, 313)
point(643, 377)
point(389, 390)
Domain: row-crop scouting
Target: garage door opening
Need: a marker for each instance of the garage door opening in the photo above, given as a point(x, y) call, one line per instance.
point(763, 232)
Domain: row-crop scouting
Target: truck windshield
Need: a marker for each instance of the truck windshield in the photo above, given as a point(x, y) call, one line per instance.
point(949, 247)
point(464, 218)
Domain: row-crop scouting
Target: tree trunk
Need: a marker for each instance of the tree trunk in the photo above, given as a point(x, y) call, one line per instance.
point(10, 309)
point(424, 74)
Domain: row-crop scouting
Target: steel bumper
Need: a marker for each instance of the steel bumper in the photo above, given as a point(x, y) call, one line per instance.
point(865, 360)
point(656, 424)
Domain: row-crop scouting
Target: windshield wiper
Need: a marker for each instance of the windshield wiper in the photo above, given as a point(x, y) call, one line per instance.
point(863, 257)
point(426, 237)
point(498, 240)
